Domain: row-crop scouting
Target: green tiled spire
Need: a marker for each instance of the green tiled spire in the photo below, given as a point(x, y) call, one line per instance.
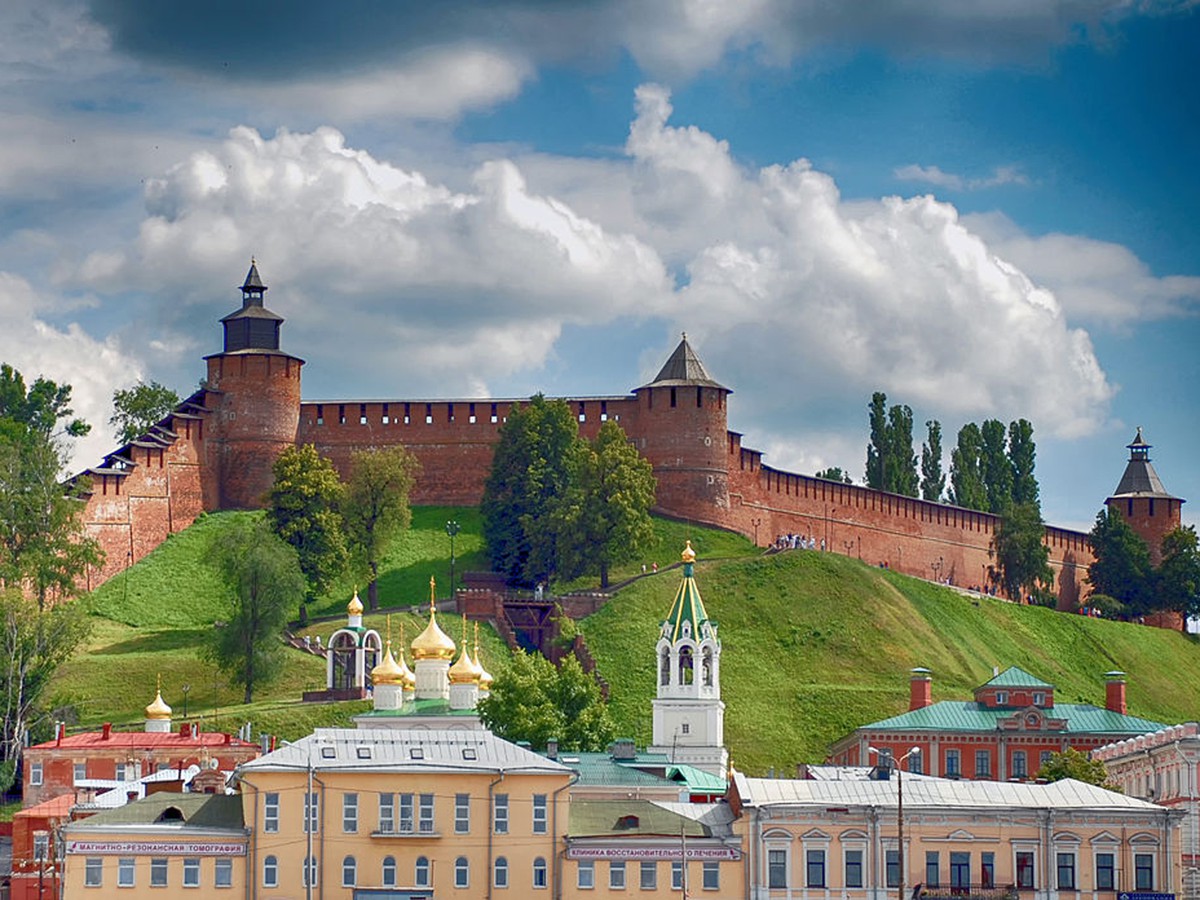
point(687, 606)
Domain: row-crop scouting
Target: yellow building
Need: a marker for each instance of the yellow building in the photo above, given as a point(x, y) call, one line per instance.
point(403, 814)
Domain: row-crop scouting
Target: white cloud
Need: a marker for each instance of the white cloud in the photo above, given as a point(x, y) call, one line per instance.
point(934, 175)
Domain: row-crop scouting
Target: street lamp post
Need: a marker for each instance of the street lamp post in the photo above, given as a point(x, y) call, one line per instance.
point(452, 529)
point(187, 689)
point(756, 523)
point(898, 764)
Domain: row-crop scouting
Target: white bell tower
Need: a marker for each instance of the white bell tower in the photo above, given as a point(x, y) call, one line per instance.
point(689, 715)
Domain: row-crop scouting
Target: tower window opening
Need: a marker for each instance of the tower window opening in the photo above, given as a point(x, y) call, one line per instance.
point(362, 414)
point(341, 415)
point(603, 410)
point(386, 418)
point(706, 667)
point(428, 413)
point(494, 416)
point(471, 413)
point(686, 672)
point(582, 413)
point(672, 398)
point(699, 397)
point(1130, 502)
point(1151, 506)
point(664, 674)
point(449, 412)
point(407, 414)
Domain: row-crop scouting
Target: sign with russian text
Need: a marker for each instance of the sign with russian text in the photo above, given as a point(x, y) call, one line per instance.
point(1144, 895)
point(156, 848)
point(652, 853)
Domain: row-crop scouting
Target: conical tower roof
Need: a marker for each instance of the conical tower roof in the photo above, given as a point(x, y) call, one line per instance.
point(1140, 479)
point(683, 369)
point(687, 605)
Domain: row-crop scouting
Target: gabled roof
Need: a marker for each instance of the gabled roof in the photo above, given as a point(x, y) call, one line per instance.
point(601, 770)
point(967, 715)
point(1015, 677)
point(683, 368)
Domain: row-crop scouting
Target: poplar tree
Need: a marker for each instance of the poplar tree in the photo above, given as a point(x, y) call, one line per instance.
point(1022, 455)
point(304, 509)
point(891, 463)
point(933, 478)
point(994, 466)
point(966, 479)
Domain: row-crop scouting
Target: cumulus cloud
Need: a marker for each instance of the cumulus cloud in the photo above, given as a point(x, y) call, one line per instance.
point(935, 176)
point(1095, 281)
point(66, 354)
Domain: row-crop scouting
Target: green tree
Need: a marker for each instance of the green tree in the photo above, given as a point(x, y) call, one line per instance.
point(603, 515)
point(264, 582)
point(304, 509)
point(966, 477)
point(994, 466)
point(1178, 575)
point(835, 473)
point(1020, 551)
point(44, 408)
point(135, 409)
point(1022, 456)
point(877, 449)
point(933, 478)
point(375, 508)
point(1075, 764)
point(900, 464)
point(1122, 568)
point(34, 643)
point(530, 470)
point(533, 701)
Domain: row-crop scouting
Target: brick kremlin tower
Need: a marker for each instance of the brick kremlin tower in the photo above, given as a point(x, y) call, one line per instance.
point(1143, 501)
point(256, 410)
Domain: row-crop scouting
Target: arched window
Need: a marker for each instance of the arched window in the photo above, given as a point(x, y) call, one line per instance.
point(686, 674)
point(389, 871)
point(664, 676)
point(500, 877)
point(270, 871)
point(707, 667)
point(539, 872)
point(349, 872)
point(462, 872)
point(421, 872)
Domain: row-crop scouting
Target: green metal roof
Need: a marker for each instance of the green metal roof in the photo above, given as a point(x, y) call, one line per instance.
point(197, 810)
point(1015, 677)
point(697, 780)
point(419, 707)
point(616, 817)
point(686, 607)
point(967, 715)
point(600, 769)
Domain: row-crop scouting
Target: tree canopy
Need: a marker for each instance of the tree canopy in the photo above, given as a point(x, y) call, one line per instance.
point(933, 478)
point(135, 409)
point(992, 467)
point(1076, 764)
point(264, 582)
point(1122, 568)
point(304, 509)
point(891, 462)
point(44, 408)
point(532, 700)
point(1021, 554)
point(835, 473)
point(375, 508)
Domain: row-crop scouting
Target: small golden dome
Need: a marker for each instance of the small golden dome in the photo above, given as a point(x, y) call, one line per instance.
point(464, 671)
point(485, 677)
point(432, 643)
point(355, 607)
point(388, 671)
point(688, 555)
point(158, 709)
point(410, 680)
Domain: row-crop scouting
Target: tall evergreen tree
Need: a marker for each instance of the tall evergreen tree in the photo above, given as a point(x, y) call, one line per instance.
point(966, 478)
point(1178, 580)
point(1022, 455)
point(1020, 551)
point(877, 449)
point(994, 466)
point(933, 478)
point(1122, 568)
point(900, 463)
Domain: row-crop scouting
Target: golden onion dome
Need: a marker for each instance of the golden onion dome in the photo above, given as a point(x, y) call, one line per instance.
point(410, 680)
point(485, 677)
point(158, 709)
point(432, 643)
point(688, 555)
point(388, 671)
point(355, 607)
point(464, 671)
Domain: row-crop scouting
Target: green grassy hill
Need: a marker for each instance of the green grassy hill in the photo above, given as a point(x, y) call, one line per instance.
point(816, 644)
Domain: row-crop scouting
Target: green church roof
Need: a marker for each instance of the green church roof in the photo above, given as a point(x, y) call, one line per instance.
point(687, 605)
point(1015, 677)
point(967, 715)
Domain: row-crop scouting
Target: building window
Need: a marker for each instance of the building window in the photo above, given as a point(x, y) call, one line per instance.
point(500, 814)
point(814, 868)
point(425, 822)
point(387, 813)
point(158, 872)
point(1066, 871)
point(41, 846)
point(987, 869)
point(1143, 871)
point(270, 872)
point(80, 772)
point(93, 871)
point(500, 872)
point(933, 868)
point(854, 868)
point(1039, 699)
point(312, 812)
point(891, 866)
point(539, 813)
point(349, 871)
point(1105, 868)
point(35, 773)
point(1019, 769)
point(1025, 870)
point(648, 877)
point(539, 872)
point(223, 876)
point(350, 813)
point(616, 876)
point(953, 766)
point(406, 813)
point(462, 872)
point(191, 871)
point(271, 811)
point(677, 876)
point(777, 874)
point(710, 876)
point(462, 813)
point(983, 763)
point(388, 874)
point(119, 774)
point(421, 871)
point(915, 763)
point(125, 871)
point(585, 876)
point(310, 874)
point(1001, 698)
point(960, 870)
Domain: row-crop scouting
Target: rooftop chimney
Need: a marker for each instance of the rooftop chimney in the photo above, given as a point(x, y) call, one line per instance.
point(1114, 692)
point(552, 748)
point(920, 689)
point(106, 731)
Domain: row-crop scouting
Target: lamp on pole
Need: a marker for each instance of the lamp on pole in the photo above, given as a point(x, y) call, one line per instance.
point(756, 522)
point(452, 529)
point(898, 765)
point(187, 689)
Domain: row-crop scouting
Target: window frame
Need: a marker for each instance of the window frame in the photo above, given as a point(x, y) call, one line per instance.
point(425, 810)
point(387, 813)
point(422, 872)
point(541, 811)
point(126, 866)
point(93, 871)
point(387, 872)
point(1064, 870)
point(500, 814)
point(541, 877)
point(406, 822)
point(312, 812)
point(271, 812)
point(617, 879)
point(1025, 875)
point(462, 872)
point(349, 867)
point(191, 870)
point(586, 867)
point(777, 868)
point(1110, 868)
point(648, 875)
point(710, 875)
point(848, 867)
point(350, 813)
point(37, 773)
point(270, 871)
point(462, 813)
point(500, 872)
point(1143, 864)
point(160, 872)
point(933, 868)
point(223, 869)
point(953, 755)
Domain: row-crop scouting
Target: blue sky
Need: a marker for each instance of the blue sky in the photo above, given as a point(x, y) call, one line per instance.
point(983, 209)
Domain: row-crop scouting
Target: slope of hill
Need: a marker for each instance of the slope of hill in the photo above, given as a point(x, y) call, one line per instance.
point(816, 644)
